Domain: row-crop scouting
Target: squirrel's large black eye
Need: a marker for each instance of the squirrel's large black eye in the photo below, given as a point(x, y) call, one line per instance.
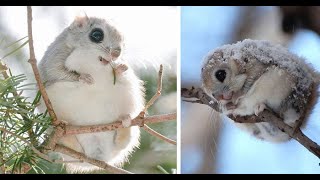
point(221, 75)
point(96, 35)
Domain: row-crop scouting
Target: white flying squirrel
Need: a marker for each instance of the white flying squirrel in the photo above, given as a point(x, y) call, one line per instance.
point(252, 75)
point(77, 70)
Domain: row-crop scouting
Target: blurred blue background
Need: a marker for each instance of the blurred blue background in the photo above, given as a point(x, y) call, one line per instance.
point(205, 28)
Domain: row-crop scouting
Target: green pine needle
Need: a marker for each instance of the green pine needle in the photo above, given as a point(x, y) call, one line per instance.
point(15, 50)
point(17, 116)
point(114, 74)
point(162, 169)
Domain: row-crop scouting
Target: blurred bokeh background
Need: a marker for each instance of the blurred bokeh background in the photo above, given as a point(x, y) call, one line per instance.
point(212, 146)
point(151, 37)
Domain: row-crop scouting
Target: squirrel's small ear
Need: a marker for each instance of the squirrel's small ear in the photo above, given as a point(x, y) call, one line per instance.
point(81, 20)
point(234, 65)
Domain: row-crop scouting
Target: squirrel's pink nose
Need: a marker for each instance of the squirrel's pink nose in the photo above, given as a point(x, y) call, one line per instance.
point(226, 96)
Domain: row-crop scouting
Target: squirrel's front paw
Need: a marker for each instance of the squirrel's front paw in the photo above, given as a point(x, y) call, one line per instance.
point(126, 120)
point(237, 96)
point(86, 78)
point(259, 108)
point(121, 68)
point(230, 106)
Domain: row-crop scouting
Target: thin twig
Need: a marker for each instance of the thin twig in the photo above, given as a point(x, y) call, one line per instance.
point(51, 142)
point(200, 95)
point(33, 63)
point(265, 116)
point(158, 135)
point(71, 130)
point(81, 156)
point(58, 132)
point(3, 69)
point(157, 94)
point(151, 101)
point(72, 161)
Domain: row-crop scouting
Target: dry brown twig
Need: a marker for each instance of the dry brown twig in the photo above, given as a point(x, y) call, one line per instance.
point(61, 129)
point(265, 116)
point(71, 130)
point(160, 136)
point(150, 103)
point(35, 70)
point(158, 93)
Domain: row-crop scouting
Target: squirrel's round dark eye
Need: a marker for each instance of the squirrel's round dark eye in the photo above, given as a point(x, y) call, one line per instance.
point(221, 75)
point(96, 35)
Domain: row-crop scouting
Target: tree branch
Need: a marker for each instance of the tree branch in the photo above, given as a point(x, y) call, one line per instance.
point(71, 130)
point(158, 135)
point(265, 116)
point(202, 97)
point(81, 156)
point(158, 93)
point(150, 103)
point(33, 63)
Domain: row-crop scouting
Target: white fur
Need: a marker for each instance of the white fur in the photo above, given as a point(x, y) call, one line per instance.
point(290, 116)
point(270, 90)
point(102, 102)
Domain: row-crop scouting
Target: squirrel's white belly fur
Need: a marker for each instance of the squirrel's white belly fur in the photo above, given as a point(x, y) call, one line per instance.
point(102, 102)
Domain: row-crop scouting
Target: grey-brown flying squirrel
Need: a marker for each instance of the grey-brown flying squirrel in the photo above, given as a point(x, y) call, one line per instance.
point(78, 77)
point(251, 75)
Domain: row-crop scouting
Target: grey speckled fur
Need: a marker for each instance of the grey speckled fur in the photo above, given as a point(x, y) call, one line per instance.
point(52, 65)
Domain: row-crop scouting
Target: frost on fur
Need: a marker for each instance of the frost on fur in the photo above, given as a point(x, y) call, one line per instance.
point(258, 72)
